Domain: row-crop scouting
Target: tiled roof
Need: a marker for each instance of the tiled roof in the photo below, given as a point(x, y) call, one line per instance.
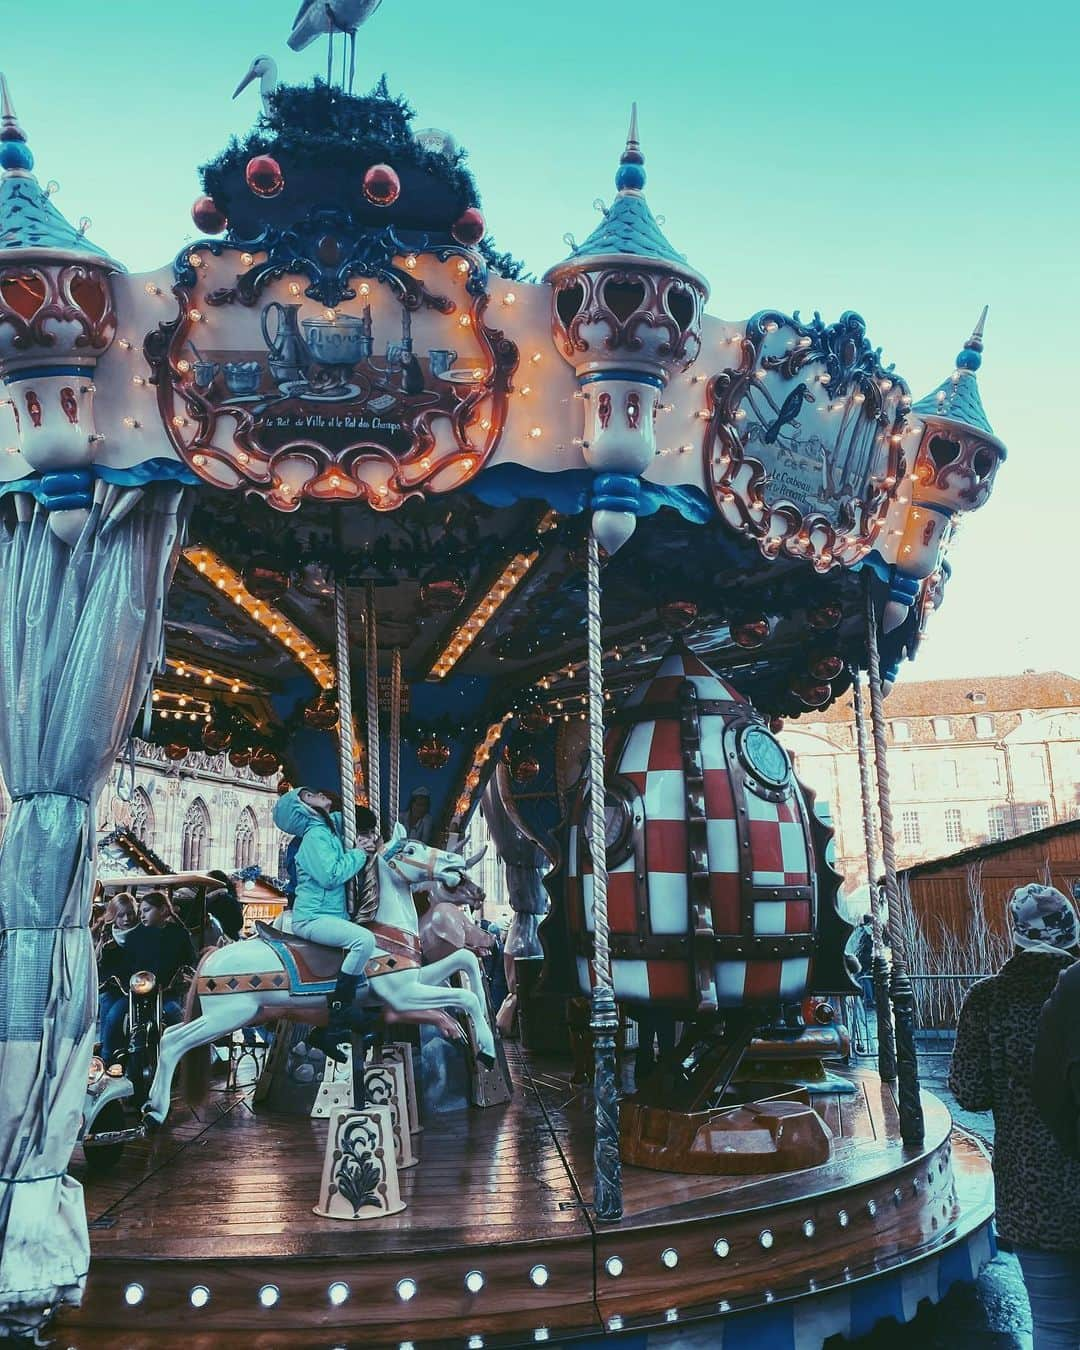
point(957, 398)
point(628, 227)
point(28, 220)
point(991, 849)
point(952, 698)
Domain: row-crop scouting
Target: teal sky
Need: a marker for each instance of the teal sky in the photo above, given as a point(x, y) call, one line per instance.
point(910, 162)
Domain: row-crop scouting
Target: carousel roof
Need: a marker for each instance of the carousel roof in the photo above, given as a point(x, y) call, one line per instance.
point(629, 226)
point(957, 398)
point(28, 219)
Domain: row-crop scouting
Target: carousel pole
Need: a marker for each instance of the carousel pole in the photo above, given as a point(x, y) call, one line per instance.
point(393, 805)
point(369, 883)
point(879, 966)
point(607, 1165)
point(909, 1104)
point(346, 748)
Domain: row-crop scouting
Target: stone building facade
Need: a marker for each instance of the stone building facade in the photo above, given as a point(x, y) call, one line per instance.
point(198, 814)
point(970, 761)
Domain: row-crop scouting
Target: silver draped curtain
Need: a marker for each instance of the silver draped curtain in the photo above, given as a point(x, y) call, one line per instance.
point(80, 634)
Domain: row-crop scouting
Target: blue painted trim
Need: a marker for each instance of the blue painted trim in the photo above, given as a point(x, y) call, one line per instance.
point(939, 510)
point(46, 372)
point(149, 471)
point(575, 490)
point(631, 376)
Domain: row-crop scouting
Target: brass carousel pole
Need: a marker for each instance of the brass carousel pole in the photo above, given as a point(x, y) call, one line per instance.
point(909, 1103)
point(607, 1165)
point(879, 966)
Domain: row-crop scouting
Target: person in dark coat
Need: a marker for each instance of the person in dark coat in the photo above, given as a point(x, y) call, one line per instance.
point(225, 906)
point(161, 945)
point(1055, 1083)
point(1037, 1185)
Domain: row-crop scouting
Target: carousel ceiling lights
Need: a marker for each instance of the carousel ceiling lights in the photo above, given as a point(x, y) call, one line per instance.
point(188, 670)
point(208, 564)
point(504, 585)
point(481, 755)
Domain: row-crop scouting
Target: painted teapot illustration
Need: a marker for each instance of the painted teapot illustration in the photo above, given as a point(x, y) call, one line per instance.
point(289, 356)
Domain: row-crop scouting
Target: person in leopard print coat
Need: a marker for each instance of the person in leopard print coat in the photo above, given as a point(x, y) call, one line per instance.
point(1037, 1185)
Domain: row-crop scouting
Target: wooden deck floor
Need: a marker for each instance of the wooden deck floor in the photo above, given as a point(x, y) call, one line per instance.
point(226, 1201)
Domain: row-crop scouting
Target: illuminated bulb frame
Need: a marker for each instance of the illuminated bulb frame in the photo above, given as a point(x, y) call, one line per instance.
point(481, 755)
point(207, 564)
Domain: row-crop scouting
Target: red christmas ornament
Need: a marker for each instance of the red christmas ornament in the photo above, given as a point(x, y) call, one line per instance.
point(533, 720)
point(810, 693)
point(176, 751)
point(382, 186)
point(265, 580)
point(240, 757)
point(826, 666)
point(525, 769)
point(442, 594)
point(677, 615)
point(283, 786)
point(824, 617)
point(750, 634)
point(433, 753)
point(263, 176)
point(207, 217)
point(215, 739)
point(469, 227)
point(264, 762)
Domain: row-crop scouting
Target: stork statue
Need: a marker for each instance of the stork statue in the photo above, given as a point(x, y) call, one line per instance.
point(316, 17)
point(263, 69)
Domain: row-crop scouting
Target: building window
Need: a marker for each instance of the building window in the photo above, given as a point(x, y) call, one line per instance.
point(997, 823)
point(977, 696)
point(1040, 816)
point(143, 825)
point(984, 726)
point(954, 827)
point(950, 773)
point(916, 774)
point(901, 731)
point(1035, 768)
point(247, 832)
point(910, 827)
point(195, 837)
point(942, 728)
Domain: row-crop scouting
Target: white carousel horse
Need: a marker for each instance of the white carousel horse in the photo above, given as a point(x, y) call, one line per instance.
point(261, 979)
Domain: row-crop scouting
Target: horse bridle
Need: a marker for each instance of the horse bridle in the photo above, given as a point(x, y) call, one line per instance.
point(427, 870)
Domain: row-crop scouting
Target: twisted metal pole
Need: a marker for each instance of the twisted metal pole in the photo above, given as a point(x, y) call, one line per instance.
point(909, 1104)
point(879, 966)
point(346, 748)
point(393, 806)
point(369, 885)
point(607, 1166)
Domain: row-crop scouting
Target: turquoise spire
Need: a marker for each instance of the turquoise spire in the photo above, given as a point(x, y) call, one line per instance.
point(957, 398)
point(628, 226)
point(28, 219)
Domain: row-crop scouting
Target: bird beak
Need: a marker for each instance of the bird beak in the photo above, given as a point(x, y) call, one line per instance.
point(245, 82)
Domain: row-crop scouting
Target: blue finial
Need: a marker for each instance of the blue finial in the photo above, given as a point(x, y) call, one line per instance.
point(14, 152)
point(630, 175)
point(971, 357)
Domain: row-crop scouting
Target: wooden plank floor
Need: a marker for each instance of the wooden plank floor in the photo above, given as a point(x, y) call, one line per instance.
point(226, 1199)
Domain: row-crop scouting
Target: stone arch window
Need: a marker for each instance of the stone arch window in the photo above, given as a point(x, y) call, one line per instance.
point(247, 835)
point(143, 822)
point(195, 837)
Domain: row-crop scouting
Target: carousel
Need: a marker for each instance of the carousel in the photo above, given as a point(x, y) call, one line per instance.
point(341, 493)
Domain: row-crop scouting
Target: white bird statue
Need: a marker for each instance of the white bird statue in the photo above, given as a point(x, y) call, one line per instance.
point(316, 17)
point(263, 69)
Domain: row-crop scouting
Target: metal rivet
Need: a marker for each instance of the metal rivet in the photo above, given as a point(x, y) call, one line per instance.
point(871, 1207)
point(766, 1238)
point(723, 1306)
point(721, 1247)
point(199, 1296)
point(842, 1218)
point(672, 1315)
point(539, 1276)
point(338, 1293)
point(897, 1196)
point(808, 1228)
point(476, 1343)
point(614, 1266)
point(406, 1289)
point(670, 1257)
point(474, 1281)
point(133, 1295)
point(269, 1295)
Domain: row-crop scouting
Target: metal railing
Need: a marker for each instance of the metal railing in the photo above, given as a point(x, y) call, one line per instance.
point(938, 999)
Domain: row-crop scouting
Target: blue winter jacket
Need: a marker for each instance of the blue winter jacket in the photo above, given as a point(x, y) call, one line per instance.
point(323, 863)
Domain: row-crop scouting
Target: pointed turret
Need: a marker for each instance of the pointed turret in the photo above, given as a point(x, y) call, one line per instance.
point(29, 223)
point(957, 398)
point(954, 466)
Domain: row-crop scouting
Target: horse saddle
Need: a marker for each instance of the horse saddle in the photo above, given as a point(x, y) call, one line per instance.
point(313, 968)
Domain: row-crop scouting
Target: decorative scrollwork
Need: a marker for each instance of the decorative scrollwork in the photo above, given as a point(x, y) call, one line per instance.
point(37, 302)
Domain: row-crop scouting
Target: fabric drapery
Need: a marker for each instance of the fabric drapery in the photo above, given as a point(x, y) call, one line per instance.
point(80, 634)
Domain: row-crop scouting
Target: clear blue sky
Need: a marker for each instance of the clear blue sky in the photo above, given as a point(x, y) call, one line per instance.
point(911, 161)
